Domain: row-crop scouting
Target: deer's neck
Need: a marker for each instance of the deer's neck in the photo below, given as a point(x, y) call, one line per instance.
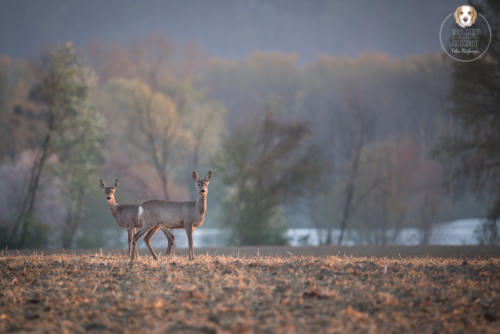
point(113, 206)
point(201, 204)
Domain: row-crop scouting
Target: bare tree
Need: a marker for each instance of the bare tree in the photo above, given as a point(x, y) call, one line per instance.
point(263, 166)
point(471, 153)
point(63, 92)
point(429, 193)
point(155, 129)
point(359, 131)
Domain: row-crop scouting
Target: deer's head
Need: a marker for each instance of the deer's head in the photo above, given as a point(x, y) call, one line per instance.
point(202, 184)
point(109, 191)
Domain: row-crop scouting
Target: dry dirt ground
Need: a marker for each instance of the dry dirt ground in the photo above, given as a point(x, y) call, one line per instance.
point(102, 292)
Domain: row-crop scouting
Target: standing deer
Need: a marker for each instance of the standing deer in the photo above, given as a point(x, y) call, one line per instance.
point(126, 215)
point(166, 215)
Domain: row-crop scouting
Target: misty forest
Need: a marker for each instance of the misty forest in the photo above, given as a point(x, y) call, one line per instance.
point(356, 148)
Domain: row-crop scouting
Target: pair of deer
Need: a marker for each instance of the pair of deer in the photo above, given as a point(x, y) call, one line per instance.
point(153, 215)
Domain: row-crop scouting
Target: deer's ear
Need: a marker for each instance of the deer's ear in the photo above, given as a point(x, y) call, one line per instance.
point(116, 184)
point(209, 176)
point(195, 176)
point(103, 185)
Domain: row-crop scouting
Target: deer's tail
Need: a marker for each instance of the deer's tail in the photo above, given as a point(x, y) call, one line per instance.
point(139, 216)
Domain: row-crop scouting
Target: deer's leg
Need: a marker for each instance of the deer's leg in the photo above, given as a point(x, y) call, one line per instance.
point(135, 249)
point(147, 240)
point(130, 248)
point(171, 240)
point(130, 237)
point(129, 231)
point(189, 232)
point(136, 237)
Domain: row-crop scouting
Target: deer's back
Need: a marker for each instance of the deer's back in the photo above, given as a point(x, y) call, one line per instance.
point(167, 213)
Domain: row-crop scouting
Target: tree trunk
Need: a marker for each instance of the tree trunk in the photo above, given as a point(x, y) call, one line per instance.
point(73, 222)
point(347, 211)
point(66, 237)
point(194, 161)
point(196, 153)
point(329, 232)
point(26, 214)
point(164, 184)
point(350, 188)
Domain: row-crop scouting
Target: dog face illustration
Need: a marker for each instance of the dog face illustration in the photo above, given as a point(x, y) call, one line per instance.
point(465, 16)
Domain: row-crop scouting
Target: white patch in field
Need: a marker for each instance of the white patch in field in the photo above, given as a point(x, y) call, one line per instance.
point(141, 210)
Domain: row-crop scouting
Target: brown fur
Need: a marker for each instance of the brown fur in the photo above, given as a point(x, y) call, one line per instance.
point(167, 215)
point(474, 15)
point(126, 215)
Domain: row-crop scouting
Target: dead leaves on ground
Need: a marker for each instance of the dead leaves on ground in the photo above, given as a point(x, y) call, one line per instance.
point(217, 294)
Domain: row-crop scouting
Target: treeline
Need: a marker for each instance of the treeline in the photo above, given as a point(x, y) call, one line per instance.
point(339, 144)
point(376, 120)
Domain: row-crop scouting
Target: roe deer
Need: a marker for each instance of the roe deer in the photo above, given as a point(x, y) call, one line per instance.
point(166, 215)
point(126, 215)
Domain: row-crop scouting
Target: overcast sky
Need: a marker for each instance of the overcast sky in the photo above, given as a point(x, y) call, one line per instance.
point(231, 29)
